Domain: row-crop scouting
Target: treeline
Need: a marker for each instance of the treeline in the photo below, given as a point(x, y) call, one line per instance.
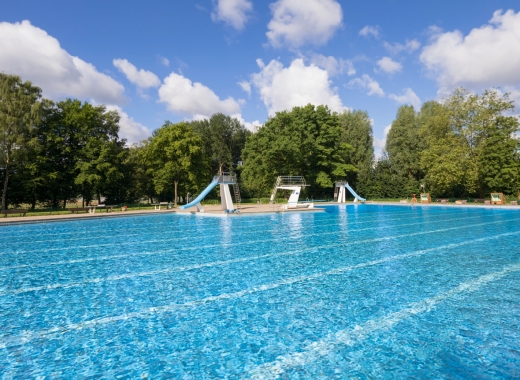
point(52, 153)
point(464, 146)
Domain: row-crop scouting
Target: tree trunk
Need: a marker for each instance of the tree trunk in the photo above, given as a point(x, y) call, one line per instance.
point(4, 193)
point(175, 200)
point(64, 204)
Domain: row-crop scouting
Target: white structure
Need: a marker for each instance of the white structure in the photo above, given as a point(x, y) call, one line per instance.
point(224, 180)
point(294, 184)
point(340, 190)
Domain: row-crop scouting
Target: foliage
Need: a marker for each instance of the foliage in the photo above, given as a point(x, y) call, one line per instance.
point(357, 132)
point(470, 148)
point(463, 146)
point(223, 140)
point(305, 141)
point(20, 113)
point(174, 157)
point(404, 146)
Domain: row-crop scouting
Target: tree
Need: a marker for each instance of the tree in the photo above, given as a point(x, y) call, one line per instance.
point(20, 112)
point(223, 140)
point(403, 145)
point(80, 142)
point(470, 144)
point(305, 141)
point(174, 156)
point(357, 132)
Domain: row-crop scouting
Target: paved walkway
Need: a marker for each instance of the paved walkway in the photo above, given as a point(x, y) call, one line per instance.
point(44, 218)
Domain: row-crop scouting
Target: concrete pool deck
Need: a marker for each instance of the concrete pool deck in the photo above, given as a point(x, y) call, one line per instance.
point(212, 210)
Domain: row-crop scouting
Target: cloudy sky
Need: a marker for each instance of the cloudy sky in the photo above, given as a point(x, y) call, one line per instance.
point(182, 60)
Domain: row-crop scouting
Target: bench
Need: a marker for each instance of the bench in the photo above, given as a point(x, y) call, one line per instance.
point(157, 206)
point(93, 208)
point(443, 201)
point(479, 200)
point(514, 203)
point(78, 209)
point(5, 212)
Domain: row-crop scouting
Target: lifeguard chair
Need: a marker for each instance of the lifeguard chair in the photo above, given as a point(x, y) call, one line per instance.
point(425, 198)
point(498, 199)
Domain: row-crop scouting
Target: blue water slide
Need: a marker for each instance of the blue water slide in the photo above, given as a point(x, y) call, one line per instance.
point(201, 196)
point(355, 194)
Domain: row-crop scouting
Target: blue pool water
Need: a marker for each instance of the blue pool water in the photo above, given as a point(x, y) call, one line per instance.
point(360, 291)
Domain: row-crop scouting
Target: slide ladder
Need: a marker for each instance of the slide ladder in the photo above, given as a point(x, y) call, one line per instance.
point(238, 199)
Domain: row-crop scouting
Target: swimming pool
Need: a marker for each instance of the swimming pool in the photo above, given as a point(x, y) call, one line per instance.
point(360, 291)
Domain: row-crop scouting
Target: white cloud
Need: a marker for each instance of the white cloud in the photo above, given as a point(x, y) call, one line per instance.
point(232, 12)
point(141, 78)
point(130, 129)
point(487, 56)
point(31, 53)
point(246, 86)
point(332, 65)
point(252, 126)
point(282, 88)
point(193, 99)
point(408, 97)
point(367, 83)
point(164, 61)
point(296, 23)
point(388, 65)
point(409, 46)
point(370, 30)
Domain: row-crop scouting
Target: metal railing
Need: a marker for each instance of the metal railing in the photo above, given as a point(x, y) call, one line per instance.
point(228, 178)
point(291, 180)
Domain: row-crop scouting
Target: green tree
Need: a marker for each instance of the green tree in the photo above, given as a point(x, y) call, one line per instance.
point(20, 113)
point(470, 144)
point(174, 157)
point(80, 142)
point(404, 146)
point(357, 132)
point(305, 141)
point(223, 140)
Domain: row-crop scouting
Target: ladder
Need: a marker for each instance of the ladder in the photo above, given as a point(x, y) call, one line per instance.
point(238, 199)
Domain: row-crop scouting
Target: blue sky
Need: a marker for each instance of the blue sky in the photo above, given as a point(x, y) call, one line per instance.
point(155, 61)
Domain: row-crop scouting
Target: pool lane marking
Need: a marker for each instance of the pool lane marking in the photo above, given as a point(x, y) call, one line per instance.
point(350, 337)
point(248, 227)
point(93, 323)
point(99, 258)
point(143, 226)
point(219, 263)
point(62, 262)
point(225, 244)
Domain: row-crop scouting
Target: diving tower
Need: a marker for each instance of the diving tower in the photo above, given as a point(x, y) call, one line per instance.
point(340, 190)
point(294, 184)
point(224, 180)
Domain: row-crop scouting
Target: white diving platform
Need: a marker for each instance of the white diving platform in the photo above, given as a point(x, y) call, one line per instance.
point(294, 184)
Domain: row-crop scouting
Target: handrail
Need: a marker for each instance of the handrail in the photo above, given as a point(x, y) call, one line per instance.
point(291, 180)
